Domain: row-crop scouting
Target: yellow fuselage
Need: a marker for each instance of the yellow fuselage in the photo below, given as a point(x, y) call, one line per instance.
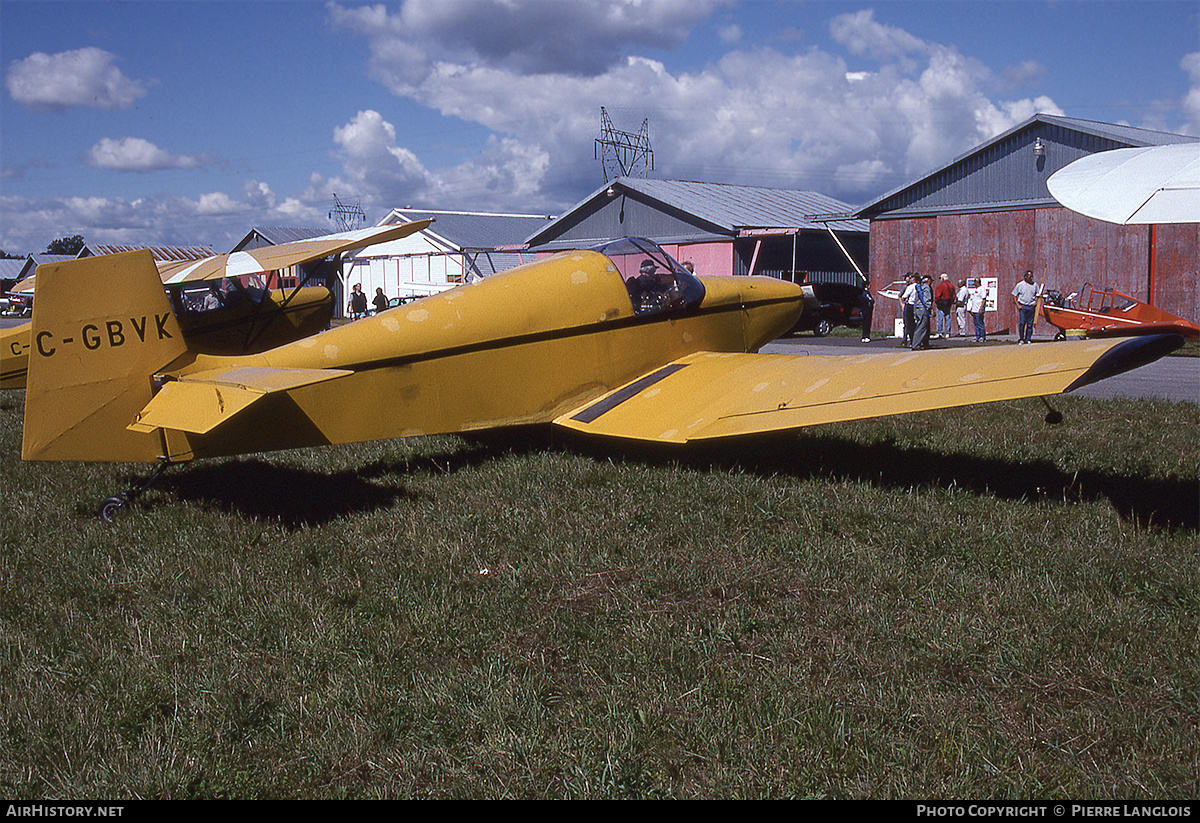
point(517, 348)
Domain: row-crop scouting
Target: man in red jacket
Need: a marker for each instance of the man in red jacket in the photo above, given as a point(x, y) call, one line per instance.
point(943, 301)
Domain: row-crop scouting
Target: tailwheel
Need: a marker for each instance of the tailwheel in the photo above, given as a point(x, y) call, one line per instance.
point(111, 506)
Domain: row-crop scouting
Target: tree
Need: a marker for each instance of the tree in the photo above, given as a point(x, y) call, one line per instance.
point(66, 245)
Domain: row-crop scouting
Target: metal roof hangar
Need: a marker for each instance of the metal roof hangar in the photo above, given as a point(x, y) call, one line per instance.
point(456, 248)
point(722, 229)
point(988, 214)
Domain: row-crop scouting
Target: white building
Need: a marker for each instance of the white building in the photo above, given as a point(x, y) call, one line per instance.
point(457, 248)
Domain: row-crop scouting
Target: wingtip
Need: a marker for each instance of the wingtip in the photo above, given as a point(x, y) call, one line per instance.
point(1130, 354)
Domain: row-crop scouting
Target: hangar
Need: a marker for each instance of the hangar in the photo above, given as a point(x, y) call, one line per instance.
point(720, 228)
point(988, 214)
point(456, 248)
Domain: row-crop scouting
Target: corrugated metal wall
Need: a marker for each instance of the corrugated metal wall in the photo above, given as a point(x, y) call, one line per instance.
point(1064, 249)
point(624, 216)
point(1006, 173)
point(1175, 269)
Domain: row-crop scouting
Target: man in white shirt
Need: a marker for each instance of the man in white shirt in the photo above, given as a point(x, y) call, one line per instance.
point(906, 304)
point(1024, 297)
point(976, 306)
point(960, 301)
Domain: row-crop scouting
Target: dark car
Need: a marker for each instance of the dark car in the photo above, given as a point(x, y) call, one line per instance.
point(833, 304)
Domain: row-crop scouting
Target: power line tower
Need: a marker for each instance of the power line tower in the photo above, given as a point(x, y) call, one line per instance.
point(623, 153)
point(347, 216)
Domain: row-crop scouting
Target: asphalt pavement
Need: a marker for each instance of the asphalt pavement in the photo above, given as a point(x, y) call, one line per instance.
point(1171, 378)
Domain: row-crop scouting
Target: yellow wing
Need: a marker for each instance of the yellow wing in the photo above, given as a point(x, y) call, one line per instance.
point(273, 258)
point(710, 395)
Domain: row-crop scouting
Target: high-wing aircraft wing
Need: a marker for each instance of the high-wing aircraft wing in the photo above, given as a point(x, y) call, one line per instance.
point(710, 395)
point(273, 258)
point(1158, 184)
point(269, 258)
point(241, 326)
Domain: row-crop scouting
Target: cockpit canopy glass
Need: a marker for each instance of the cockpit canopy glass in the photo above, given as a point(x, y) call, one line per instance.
point(655, 280)
point(228, 292)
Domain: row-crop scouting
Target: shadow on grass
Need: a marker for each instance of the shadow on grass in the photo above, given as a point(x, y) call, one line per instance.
point(299, 497)
point(291, 496)
point(1166, 503)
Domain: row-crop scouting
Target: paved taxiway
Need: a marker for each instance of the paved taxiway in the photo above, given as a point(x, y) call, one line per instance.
point(1171, 378)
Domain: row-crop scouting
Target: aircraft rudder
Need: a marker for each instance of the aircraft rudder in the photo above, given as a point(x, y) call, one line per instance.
point(102, 327)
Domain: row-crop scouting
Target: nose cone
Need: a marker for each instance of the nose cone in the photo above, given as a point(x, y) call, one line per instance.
point(771, 308)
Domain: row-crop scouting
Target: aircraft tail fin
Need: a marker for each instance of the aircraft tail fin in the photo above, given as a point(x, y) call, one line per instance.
point(102, 327)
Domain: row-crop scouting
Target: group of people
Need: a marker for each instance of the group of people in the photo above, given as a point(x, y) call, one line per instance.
point(357, 307)
point(923, 303)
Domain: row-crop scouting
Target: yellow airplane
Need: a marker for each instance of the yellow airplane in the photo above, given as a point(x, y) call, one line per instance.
point(221, 303)
point(618, 342)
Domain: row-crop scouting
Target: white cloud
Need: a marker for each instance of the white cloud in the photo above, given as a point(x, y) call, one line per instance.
point(1191, 102)
point(863, 36)
point(84, 77)
point(374, 167)
point(212, 218)
point(136, 154)
point(580, 38)
point(731, 33)
point(752, 115)
point(218, 203)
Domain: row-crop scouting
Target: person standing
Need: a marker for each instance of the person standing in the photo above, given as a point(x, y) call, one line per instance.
point(379, 301)
point(906, 305)
point(1024, 297)
point(922, 311)
point(976, 306)
point(358, 303)
point(960, 302)
point(943, 300)
point(866, 310)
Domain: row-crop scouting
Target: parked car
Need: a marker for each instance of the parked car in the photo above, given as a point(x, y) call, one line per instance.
point(832, 305)
point(17, 305)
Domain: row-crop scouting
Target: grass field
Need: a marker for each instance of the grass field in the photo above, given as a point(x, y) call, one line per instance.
point(960, 604)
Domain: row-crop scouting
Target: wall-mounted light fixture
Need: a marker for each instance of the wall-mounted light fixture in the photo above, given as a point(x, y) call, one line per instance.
point(1039, 148)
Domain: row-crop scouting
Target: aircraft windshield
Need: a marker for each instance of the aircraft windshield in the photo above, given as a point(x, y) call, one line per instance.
point(228, 292)
point(655, 280)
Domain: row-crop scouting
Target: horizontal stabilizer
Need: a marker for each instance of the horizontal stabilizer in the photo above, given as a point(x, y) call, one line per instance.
point(200, 402)
point(711, 395)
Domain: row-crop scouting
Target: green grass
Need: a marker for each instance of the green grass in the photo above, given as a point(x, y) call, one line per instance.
point(960, 604)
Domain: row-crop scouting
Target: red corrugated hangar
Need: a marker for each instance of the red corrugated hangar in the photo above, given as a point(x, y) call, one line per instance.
point(989, 215)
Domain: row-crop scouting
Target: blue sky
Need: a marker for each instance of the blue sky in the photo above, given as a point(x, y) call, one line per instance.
point(192, 122)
